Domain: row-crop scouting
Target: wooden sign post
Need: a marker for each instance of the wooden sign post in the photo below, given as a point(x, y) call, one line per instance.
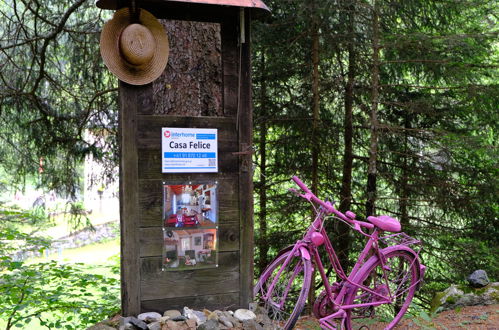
point(144, 112)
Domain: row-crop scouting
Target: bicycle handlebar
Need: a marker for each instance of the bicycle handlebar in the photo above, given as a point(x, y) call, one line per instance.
point(329, 207)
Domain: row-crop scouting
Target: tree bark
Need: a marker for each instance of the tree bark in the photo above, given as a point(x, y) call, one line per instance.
point(343, 233)
point(315, 123)
point(263, 245)
point(373, 146)
point(194, 67)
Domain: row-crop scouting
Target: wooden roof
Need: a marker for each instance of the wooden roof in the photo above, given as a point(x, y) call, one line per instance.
point(258, 5)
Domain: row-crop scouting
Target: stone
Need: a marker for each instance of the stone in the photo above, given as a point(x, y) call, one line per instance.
point(149, 317)
point(209, 325)
point(195, 315)
point(253, 306)
point(101, 326)
point(244, 315)
point(455, 296)
point(179, 318)
point(225, 321)
point(234, 321)
point(478, 279)
point(138, 324)
point(181, 325)
point(164, 319)
point(169, 325)
point(191, 324)
point(213, 316)
point(263, 319)
point(251, 325)
point(154, 326)
point(172, 313)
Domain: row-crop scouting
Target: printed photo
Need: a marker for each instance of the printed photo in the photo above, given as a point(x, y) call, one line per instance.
point(190, 206)
point(189, 248)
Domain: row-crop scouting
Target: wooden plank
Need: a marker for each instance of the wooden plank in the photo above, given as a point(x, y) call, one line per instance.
point(200, 302)
point(230, 64)
point(130, 282)
point(151, 267)
point(151, 201)
point(151, 239)
point(150, 164)
point(148, 124)
point(245, 115)
point(157, 284)
point(144, 100)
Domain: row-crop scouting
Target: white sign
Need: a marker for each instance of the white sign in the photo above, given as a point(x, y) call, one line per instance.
point(189, 150)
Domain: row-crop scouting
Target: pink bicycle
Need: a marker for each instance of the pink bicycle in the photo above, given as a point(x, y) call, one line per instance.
point(381, 285)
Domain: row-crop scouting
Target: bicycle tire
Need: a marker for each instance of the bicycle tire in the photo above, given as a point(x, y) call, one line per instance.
point(294, 298)
point(402, 282)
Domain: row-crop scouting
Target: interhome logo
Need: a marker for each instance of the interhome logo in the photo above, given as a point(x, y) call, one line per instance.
point(167, 134)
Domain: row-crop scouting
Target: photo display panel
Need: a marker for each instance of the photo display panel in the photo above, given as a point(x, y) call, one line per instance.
point(190, 226)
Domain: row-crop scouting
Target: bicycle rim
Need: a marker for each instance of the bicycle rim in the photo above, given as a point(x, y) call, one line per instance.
point(285, 303)
point(402, 277)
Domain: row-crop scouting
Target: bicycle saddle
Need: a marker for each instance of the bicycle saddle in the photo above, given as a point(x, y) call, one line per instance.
point(386, 223)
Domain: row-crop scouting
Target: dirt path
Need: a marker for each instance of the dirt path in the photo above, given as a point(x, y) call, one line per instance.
point(471, 317)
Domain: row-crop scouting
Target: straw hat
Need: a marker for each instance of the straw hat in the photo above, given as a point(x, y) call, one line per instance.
point(137, 53)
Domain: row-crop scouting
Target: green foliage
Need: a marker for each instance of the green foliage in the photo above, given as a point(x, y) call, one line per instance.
point(77, 216)
point(57, 295)
point(437, 123)
point(53, 88)
point(17, 233)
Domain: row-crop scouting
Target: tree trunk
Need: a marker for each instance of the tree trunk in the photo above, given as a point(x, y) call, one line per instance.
point(373, 147)
point(343, 233)
point(404, 188)
point(194, 67)
point(263, 245)
point(315, 124)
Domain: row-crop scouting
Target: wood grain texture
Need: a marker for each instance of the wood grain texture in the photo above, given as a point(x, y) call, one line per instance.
point(151, 239)
point(245, 118)
point(129, 97)
point(157, 284)
point(230, 63)
point(146, 287)
point(212, 301)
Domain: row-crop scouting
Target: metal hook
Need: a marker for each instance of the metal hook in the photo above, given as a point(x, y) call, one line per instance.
point(134, 12)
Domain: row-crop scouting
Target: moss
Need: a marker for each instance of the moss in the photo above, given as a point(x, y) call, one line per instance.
point(479, 291)
point(436, 302)
point(465, 288)
point(451, 300)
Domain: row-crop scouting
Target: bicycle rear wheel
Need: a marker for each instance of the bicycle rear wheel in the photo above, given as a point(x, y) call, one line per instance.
point(286, 301)
point(402, 277)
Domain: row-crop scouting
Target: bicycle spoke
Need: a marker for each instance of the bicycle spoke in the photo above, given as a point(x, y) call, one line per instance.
point(397, 283)
point(282, 290)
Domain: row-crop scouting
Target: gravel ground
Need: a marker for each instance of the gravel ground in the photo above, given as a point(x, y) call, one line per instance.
point(471, 317)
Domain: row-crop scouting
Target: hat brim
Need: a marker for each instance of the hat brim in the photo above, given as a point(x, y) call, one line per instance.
point(110, 48)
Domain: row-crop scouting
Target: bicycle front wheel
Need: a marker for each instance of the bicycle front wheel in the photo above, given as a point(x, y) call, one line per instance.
point(401, 281)
point(285, 302)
